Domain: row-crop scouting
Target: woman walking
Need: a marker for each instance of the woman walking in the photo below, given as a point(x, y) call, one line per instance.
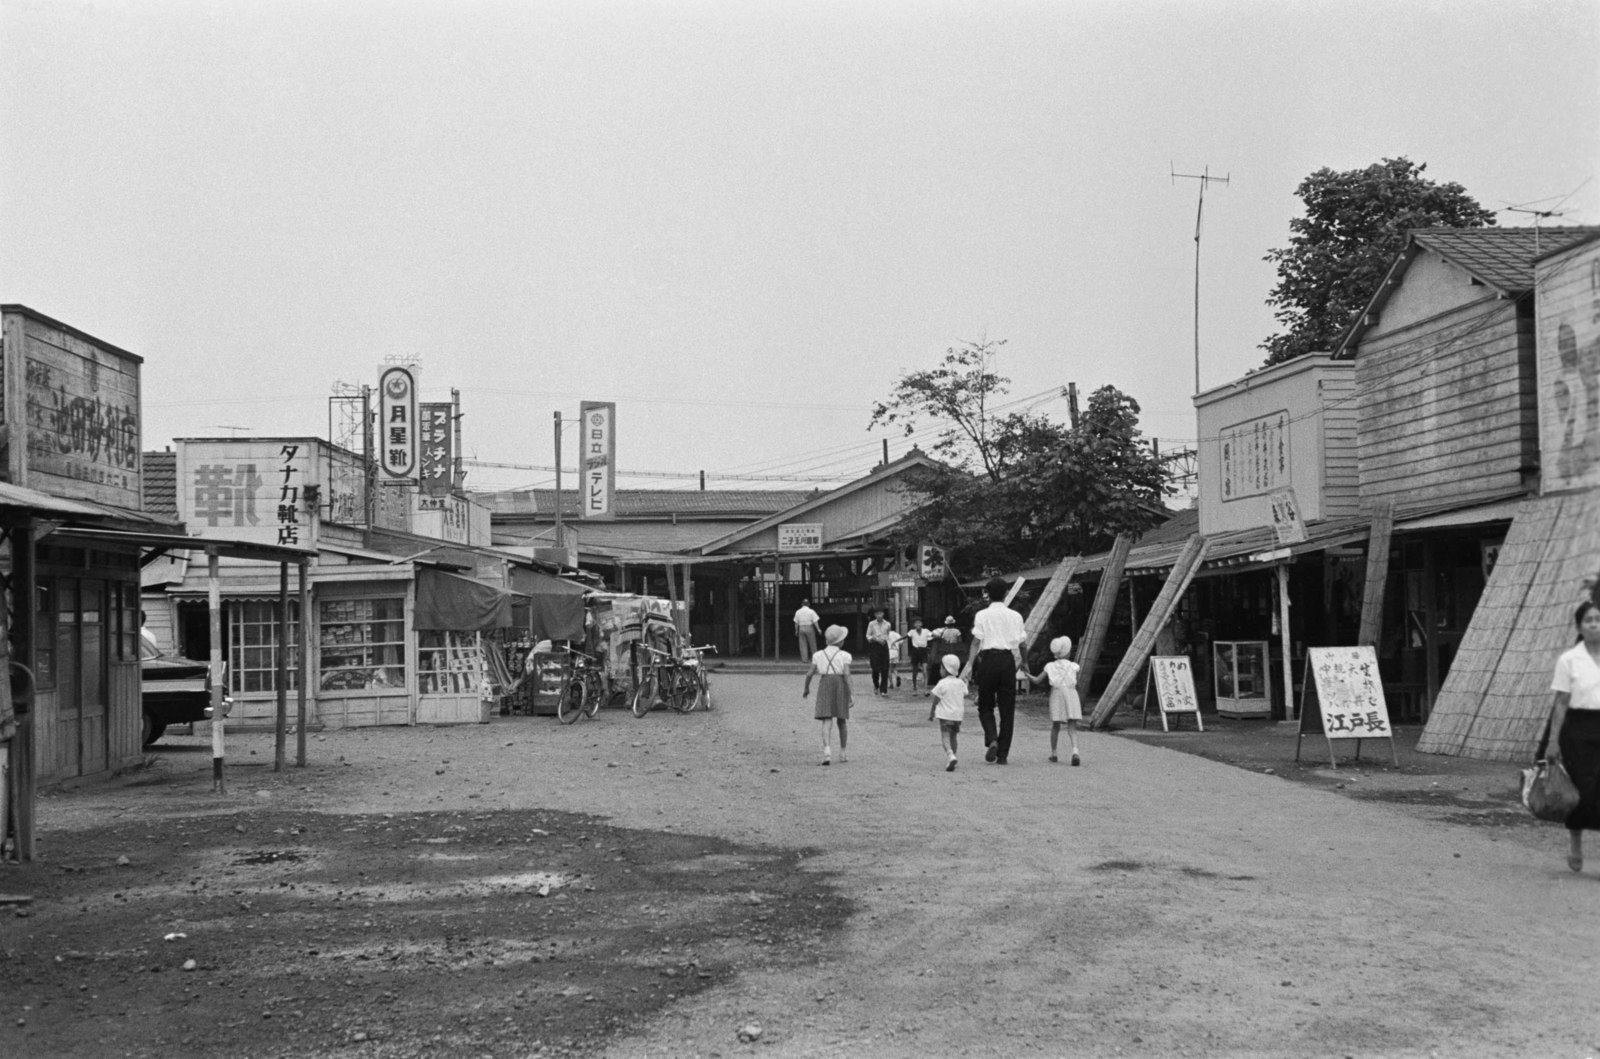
point(834, 700)
point(1575, 727)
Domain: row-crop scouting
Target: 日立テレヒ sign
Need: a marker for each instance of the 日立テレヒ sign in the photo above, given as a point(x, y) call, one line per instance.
point(597, 425)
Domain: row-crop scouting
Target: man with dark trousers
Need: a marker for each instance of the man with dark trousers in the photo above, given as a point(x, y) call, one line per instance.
point(996, 658)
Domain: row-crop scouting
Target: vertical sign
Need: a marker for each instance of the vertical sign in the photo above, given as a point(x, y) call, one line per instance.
point(436, 463)
point(397, 423)
point(1255, 456)
point(1173, 682)
point(598, 429)
point(931, 560)
point(1286, 520)
point(289, 486)
point(1349, 695)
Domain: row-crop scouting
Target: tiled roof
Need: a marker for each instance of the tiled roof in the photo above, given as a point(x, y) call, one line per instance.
point(648, 503)
point(1500, 256)
point(161, 484)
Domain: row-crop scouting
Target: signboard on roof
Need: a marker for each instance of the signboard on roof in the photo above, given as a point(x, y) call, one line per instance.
point(252, 490)
point(79, 411)
point(397, 423)
point(800, 537)
point(1568, 321)
point(436, 464)
point(1255, 456)
point(597, 426)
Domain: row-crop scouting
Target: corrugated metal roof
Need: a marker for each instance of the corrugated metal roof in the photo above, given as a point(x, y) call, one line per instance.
point(1499, 256)
point(647, 503)
point(161, 484)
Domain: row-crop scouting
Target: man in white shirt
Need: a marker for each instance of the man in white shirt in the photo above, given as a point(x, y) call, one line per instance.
point(805, 628)
point(878, 630)
point(998, 633)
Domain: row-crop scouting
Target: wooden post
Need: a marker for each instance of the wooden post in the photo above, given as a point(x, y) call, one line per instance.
point(24, 596)
point(218, 724)
point(1105, 603)
point(1288, 641)
point(1377, 574)
point(1144, 640)
point(777, 635)
point(281, 717)
point(305, 668)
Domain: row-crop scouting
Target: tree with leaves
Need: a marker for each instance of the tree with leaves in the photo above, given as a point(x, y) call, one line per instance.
point(1015, 487)
point(1355, 223)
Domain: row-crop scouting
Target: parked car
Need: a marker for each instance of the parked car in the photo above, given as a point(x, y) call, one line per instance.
point(175, 690)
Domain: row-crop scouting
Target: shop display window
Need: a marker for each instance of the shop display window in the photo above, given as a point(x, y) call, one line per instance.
point(253, 647)
point(449, 663)
point(362, 644)
point(1243, 677)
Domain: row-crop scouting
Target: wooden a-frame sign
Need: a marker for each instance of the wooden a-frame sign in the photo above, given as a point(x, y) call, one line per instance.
point(1172, 681)
point(1349, 694)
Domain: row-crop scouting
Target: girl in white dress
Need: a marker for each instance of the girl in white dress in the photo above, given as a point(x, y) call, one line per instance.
point(1064, 705)
point(834, 699)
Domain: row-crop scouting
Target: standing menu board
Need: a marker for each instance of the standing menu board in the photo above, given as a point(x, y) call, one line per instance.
point(1173, 682)
point(1349, 694)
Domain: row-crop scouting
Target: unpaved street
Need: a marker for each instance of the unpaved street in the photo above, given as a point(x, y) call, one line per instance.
point(1148, 903)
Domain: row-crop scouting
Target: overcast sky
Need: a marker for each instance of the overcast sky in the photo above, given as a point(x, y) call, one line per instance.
point(739, 221)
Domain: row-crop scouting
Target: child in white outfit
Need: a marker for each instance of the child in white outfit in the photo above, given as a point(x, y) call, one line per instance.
point(1064, 705)
point(949, 706)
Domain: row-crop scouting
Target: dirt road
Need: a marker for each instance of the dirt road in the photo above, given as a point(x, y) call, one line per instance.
point(1147, 903)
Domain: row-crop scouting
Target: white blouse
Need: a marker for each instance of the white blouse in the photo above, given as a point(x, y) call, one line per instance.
point(1578, 676)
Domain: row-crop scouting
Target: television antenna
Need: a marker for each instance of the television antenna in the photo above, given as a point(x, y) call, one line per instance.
point(1540, 214)
point(1205, 178)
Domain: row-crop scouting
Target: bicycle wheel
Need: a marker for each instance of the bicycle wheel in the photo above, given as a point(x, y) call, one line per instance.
point(594, 691)
point(570, 700)
point(644, 693)
point(682, 689)
point(696, 692)
point(703, 681)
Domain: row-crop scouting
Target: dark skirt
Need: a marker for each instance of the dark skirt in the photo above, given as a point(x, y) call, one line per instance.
point(1580, 754)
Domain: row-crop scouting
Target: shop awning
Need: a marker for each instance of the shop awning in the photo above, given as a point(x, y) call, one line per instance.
point(448, 602)
point(556, 605)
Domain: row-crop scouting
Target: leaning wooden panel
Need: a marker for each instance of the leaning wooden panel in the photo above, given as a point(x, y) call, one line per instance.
point(1479, 657)
point(1183, 569)
point(1105, 603)
point(1377, 573)
point(1048, 598)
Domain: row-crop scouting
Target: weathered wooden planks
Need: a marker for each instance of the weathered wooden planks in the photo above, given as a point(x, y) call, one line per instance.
point(1105, 602)
point(1377, 573)
point(1188, 561)
point(1039, 616)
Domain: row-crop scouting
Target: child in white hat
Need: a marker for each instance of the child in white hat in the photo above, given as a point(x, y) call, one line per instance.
point(1064, 705)
point(949, 706)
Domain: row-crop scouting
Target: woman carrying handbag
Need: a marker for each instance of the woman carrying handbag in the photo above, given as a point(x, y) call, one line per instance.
point(1575, 726)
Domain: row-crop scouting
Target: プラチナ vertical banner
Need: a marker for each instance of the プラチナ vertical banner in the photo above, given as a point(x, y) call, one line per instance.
point(436, 457)
point(598, 445)
point(397, 422)
point(1172, 681)
point(1350, 700)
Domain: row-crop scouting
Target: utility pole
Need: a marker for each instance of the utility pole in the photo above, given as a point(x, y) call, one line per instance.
point(1205, 178)
point(560, 533)
point(1072, 403)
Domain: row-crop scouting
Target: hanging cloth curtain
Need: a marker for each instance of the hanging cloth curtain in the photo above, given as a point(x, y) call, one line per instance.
point(447, 602)
point(555, 606)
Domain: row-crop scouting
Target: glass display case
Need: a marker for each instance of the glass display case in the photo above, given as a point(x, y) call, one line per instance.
point(1243, 673)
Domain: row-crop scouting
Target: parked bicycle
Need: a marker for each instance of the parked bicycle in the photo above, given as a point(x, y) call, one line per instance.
point(658, 682)
point(694, 683)
point(582, 688)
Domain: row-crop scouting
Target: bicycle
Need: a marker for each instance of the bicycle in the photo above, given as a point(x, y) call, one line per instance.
point(694, 684)
point(658, 678)
point(582, 688)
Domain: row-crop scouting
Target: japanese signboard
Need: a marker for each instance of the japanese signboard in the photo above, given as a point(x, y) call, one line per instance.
point(1349, 692)
point(246, 490)
point(79, 410)
point(436, 451)
point(1172, 682)
point(597, 426)
point(799, 536)
point(931, 560)
point(1286, 520)
point(397, 423)
point(1255, 456)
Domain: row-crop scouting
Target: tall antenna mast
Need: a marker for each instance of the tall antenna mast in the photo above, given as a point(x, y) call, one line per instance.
point(1205, 178)
point(1538, 215)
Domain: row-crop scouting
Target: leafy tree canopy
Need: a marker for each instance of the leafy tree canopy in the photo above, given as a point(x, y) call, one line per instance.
point(1355, 224)
point(1016, 488)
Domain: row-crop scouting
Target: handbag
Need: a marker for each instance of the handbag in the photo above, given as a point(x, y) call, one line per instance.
point(1548, 791)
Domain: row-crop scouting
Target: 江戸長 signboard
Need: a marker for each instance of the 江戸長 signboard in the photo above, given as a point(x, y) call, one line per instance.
point(598, 445)
point(397, 422)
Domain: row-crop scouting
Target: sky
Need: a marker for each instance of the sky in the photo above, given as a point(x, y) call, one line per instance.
point(741, 222)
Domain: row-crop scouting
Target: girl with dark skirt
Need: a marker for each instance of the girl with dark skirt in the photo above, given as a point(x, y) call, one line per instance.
point(1575, 726)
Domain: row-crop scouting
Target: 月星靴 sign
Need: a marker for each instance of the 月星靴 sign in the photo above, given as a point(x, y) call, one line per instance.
point(598, 443)
point(397, 422)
